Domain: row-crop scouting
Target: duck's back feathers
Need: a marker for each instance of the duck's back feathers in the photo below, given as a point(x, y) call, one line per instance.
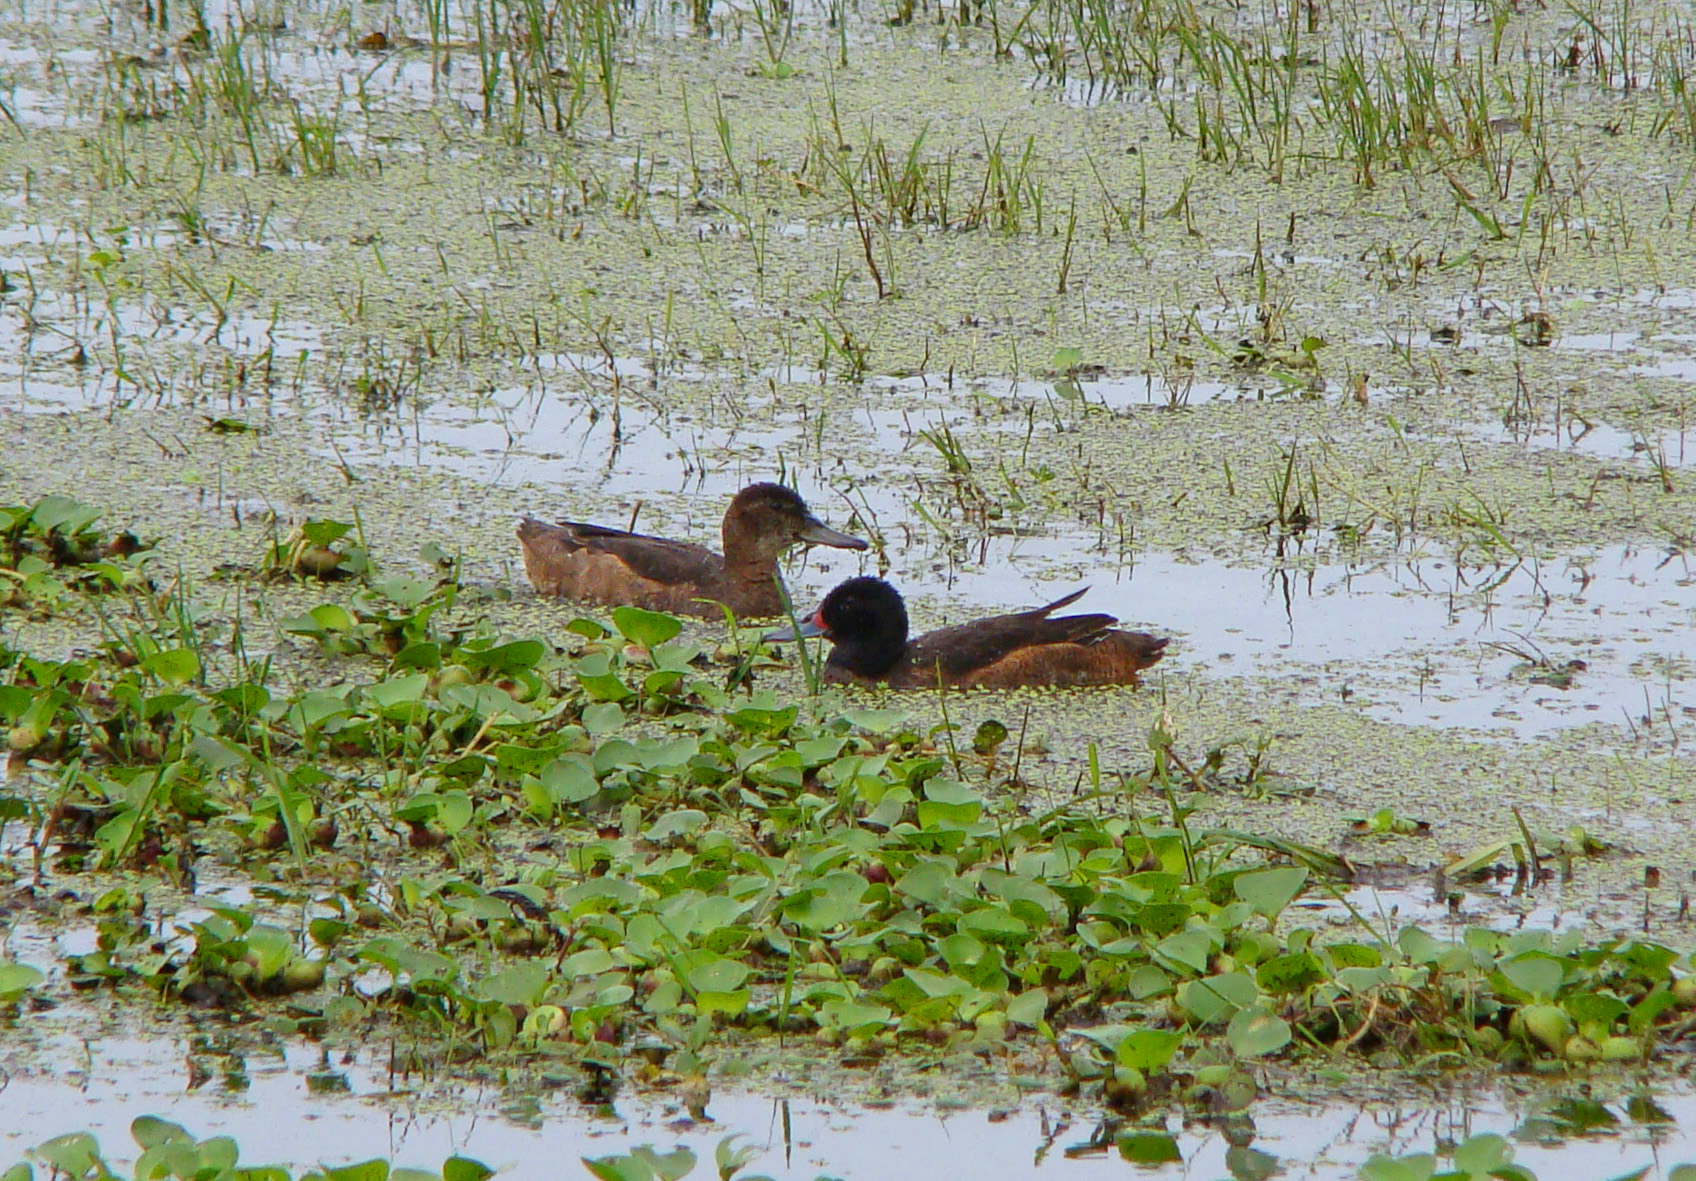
point(579, 561)
point(967, 650)
point(1104, 656)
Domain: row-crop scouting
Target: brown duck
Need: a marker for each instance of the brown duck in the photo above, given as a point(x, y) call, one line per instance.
point(867, 622)
point(576, 561)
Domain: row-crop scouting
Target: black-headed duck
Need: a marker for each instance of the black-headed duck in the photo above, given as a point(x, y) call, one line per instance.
point(576, 561)
point(867, 622)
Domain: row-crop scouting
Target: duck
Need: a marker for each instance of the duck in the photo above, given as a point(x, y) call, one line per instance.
point(866, 621)
point(572, 560)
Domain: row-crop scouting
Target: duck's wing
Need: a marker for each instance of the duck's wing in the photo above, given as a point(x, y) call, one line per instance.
point(652, 559)
point(968, 649)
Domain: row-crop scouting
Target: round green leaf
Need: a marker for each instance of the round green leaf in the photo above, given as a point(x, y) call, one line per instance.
point(1254, 1032)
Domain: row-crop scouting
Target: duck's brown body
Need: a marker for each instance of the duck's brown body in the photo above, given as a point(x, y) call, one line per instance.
point(600, 565)
point(867, 622)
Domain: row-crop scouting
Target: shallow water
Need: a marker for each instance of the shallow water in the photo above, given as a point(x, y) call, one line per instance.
point(347, 1108)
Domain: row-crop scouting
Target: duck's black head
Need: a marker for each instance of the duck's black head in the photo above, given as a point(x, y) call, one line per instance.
point(867, 621)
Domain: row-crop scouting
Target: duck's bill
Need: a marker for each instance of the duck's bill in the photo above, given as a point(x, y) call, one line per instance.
point(816, 532)
point(809, 629)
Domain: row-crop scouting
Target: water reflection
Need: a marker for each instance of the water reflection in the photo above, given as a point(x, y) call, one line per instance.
point(263, 1098)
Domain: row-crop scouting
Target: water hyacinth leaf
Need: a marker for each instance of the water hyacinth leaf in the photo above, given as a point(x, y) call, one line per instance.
point(63, 514)
point(403, 960)
point(1353, 955)
point(513, 657)
point(731, 1004)
point(854, 1016)
point(589, 629)
point(17, 979)
point(675, 655)
point(1256, 1032)
point(1148, 1049)
point(1161, 918)
point(1190, 948)
point(1650, 959)
point(521, 984)
point(1419, 1166)
point(949, 803)
point(595, 673)
point(708, 972)
point(650, 629)
point(332, 617)
point(1534, 976)
point(14, 700)
point(693, 913)
point(877, 721)
point(667, 753)
point(270, 947)
point(464, 1168)
point(1269, 891)
point(454, 810)
point(661, 682)
point(678, 823)
point(1359, 980)
point(1482, 858)
point(591, 961)
point(76, 1154)
point(410, 593)
point(835, 900)
point(1645, 1012)
point(1218, 998)
point(1149, 1148)
point(613, 754)
point(935, 984)
point(1146, 981)
point(1598, 1008)
point(327, 932)
point(613, 892)
point(961, 950)
point(219, 754)
point(930, 882)
point(764, 720)
point(174, 666)
point(466, 769)
point(990, 735)
point(370, 1170)
point(425, 654)
point(618, 1168)
point(1285, 974)
point(1483, 1154)
point(604, 717)
point(1418, 945)
point(1109, 1037)
point(489, 702)
point(669, 1166)
point(815, 752)
point(325, 533)
point(149, 1131)
point(569, 779)
point(1029, 1007)
point(995, 925)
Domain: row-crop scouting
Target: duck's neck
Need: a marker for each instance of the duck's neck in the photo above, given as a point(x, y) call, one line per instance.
point(746, 560)
point(749, 568)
